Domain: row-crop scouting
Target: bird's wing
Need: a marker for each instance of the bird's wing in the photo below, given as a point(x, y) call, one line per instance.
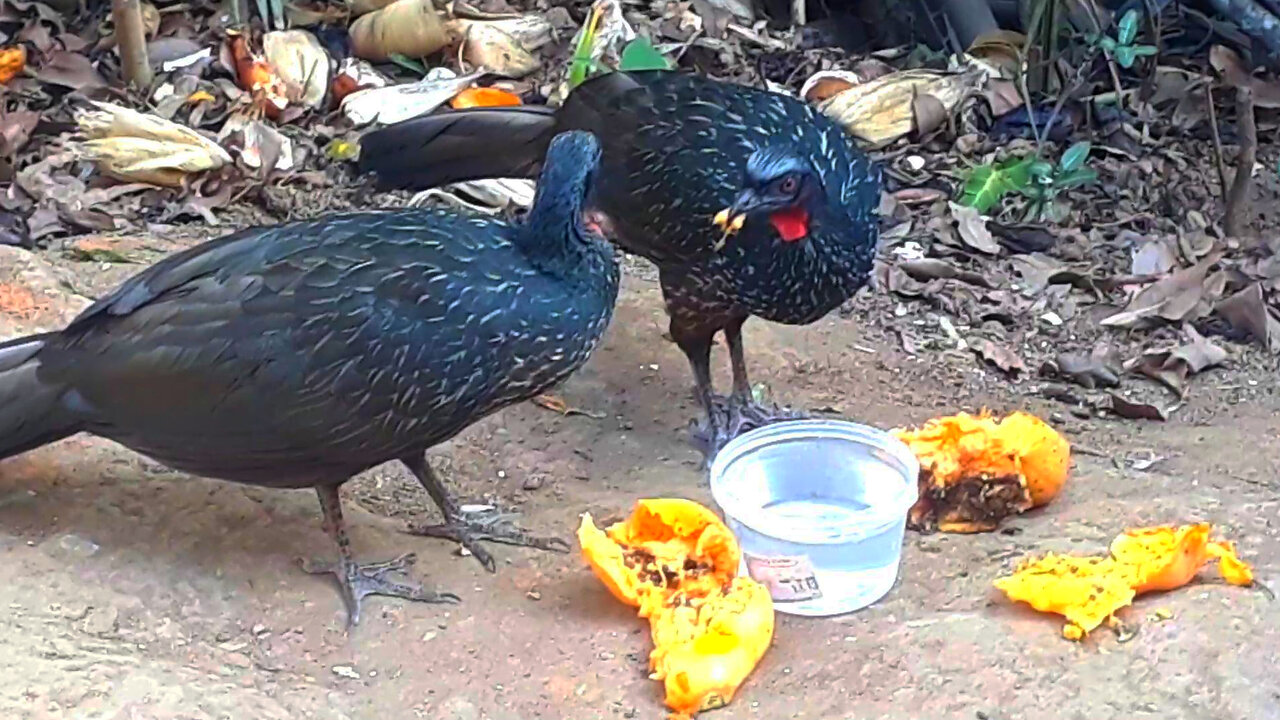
point(310, 342)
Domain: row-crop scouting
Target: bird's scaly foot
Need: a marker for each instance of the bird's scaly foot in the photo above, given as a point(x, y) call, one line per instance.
point(359, 580)
point(730, 417)
point(469, 526)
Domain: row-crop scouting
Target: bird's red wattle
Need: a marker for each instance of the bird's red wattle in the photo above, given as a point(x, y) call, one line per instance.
point(792, 224)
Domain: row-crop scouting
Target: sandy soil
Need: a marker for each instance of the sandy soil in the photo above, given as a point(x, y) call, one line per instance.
point(135, 592)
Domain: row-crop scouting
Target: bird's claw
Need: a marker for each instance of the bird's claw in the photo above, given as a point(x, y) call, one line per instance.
point(732, 416)
point(359, 580)
point(470, 529)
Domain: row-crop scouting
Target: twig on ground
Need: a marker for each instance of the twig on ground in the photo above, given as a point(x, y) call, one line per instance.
point(1238, 199)
point(1217, 140)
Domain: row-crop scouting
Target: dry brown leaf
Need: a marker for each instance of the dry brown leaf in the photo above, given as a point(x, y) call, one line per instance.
point(16, 127)
point(1173, 367)
point(1135, 410)
point(929, 112)
point(1176, 297)
point(71, 70)
point(1232, 69)
point(1247, 311)
point(973, 229)
point(999, 355)
point(1150, 256)
point(1087, 371)
point(926, 269)
point(1002, 49)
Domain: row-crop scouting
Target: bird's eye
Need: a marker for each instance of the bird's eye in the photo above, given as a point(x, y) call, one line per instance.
point(788, 184)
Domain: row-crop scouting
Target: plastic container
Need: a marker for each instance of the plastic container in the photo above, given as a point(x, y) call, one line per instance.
point(819, 508)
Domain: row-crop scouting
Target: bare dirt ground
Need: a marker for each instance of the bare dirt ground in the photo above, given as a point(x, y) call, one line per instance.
point(134, 592)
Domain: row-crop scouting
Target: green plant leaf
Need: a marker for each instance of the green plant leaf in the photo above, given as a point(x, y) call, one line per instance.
point(408, 63)
point(1125, 56)
point(1039, 170)
point(1018, 173)
point(1107, 44)
point(581, 64)
point(1128, 29)
point(1144, 50)
point(640, 54)
point(1074, 157)
point(1076, 178)
point(984, 187)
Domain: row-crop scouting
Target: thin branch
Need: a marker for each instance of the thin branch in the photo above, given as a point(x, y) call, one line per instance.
point(1217, 141)
point(1239, 199)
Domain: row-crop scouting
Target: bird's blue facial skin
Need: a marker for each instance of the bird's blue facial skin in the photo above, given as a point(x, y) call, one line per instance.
point(777, 180)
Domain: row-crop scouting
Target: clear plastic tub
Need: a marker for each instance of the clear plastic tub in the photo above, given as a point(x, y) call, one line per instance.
point(819, 508)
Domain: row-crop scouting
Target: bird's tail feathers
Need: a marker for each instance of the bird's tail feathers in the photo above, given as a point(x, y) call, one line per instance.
point(31, 411)
point(472, 144)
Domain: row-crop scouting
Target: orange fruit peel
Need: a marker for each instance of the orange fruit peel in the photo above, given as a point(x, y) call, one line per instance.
point(678, 563)
point(1088, 591)
point(975, 470)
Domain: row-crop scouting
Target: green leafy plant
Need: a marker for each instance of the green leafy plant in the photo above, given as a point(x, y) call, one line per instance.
point(582, 64)
point(1047, 180)
point(639, 54)
point(1040, 181)
point(986, 185)
point(1121, 48)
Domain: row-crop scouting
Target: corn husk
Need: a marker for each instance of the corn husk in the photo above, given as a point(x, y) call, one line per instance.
point(883, 110)
point(405, 27)
point(137, 147)
point(301, 63)
point(488, 47)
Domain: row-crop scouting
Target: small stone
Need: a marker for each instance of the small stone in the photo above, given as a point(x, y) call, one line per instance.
point(238, 660)
point(456, 708)
point(346, 671)
point(533, 482)
point(259, 629)
point(428, 637)
point(606, 655)
point(502, 474)
point(77, 546)
point(533, 595)
point(101, 621)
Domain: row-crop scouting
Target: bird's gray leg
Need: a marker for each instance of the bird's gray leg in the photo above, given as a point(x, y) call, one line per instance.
point(738, 359)
point(358, 580)
point(468, 529)
point(742, 412)
point(710, 434)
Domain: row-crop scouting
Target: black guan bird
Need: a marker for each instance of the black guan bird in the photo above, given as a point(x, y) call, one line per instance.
point(299, 355)
point(680, 150)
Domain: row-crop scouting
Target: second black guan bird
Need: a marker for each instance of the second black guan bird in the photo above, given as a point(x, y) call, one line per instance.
point(299, 355)
point(678, 151)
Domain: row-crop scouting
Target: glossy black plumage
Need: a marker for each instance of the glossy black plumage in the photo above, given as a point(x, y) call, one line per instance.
point(677, 149)
point(299, 355)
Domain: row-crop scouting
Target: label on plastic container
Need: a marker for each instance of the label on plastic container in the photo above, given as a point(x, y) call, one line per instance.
point(789, 578)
